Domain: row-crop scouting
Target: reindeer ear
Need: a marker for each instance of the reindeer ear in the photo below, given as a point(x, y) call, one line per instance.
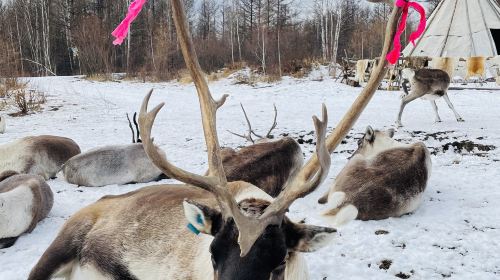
point(201, 219)
point(307, 238)
point(369, 134)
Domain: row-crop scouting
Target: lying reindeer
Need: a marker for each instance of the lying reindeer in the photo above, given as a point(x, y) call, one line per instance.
point(268, 163)
point(40, 155)
point(116, 164)
point(25, 200)
point(139, 235)
point(2, 125)
point(383, 178)
point(428, 84)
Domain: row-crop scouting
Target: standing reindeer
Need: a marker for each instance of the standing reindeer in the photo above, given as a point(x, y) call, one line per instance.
point(383, 178)
point(24, 201)
point(2, 125)
point(139, 235)
point(428, 84)
point(40, 155)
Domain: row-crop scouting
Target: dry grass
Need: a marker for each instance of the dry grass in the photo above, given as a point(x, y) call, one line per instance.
point(28, 100)
point(17, 94)
point(99, 77)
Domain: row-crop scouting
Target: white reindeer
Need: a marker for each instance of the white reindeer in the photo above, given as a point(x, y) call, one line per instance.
point(429, 84)
point(384, 178)
point(40, 155)
point(25, 200)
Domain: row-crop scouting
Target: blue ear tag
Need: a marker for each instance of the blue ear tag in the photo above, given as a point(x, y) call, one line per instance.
point(199, 220)
point(193, 229)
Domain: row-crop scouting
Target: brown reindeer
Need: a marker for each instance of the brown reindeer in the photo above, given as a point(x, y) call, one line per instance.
point(268, 163)
point(384, 178)
point(140, 235)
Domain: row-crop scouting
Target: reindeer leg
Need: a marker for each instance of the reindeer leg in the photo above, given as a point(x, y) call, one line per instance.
point(435, 107)
point(405, 100)
point(457, 116)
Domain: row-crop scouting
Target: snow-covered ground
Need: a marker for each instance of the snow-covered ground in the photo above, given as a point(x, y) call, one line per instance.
point(455, 233)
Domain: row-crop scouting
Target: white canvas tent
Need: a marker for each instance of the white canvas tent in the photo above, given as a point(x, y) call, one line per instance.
point(460, 28)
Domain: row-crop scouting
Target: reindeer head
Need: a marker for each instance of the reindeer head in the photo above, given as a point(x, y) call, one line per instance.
point(272, 252)
point(374, 142)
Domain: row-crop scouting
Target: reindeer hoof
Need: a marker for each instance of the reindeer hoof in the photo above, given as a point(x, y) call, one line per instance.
point(437, 121)
point(460, 120)
point(399, 124)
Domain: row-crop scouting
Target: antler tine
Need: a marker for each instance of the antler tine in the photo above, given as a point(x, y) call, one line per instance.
point(134, 118)
point(268, 135)
point(250, 130)
point(131, 128)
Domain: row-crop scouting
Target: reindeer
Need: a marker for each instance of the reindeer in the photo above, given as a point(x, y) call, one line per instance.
point(39, 155)
point(383, 178)
point(139, 235)
point(25, 200)
point(429, 84)
point(2, 125)
point(114, 164)
point(267, 163)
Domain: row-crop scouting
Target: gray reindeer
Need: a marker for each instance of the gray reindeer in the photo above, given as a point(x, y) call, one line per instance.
point(113, 164)
point(384, 178)
point(429, 84)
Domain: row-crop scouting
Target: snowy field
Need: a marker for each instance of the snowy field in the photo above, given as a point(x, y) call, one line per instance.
point(454, 234)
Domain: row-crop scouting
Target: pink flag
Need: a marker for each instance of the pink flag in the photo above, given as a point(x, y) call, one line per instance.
point(120, 33)
point(393, 55)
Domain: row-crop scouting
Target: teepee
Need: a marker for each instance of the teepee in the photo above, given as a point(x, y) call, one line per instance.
point(460, 28)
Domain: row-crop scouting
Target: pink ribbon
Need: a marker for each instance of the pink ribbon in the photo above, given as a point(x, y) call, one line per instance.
point(120, 33)
point(393, 55)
